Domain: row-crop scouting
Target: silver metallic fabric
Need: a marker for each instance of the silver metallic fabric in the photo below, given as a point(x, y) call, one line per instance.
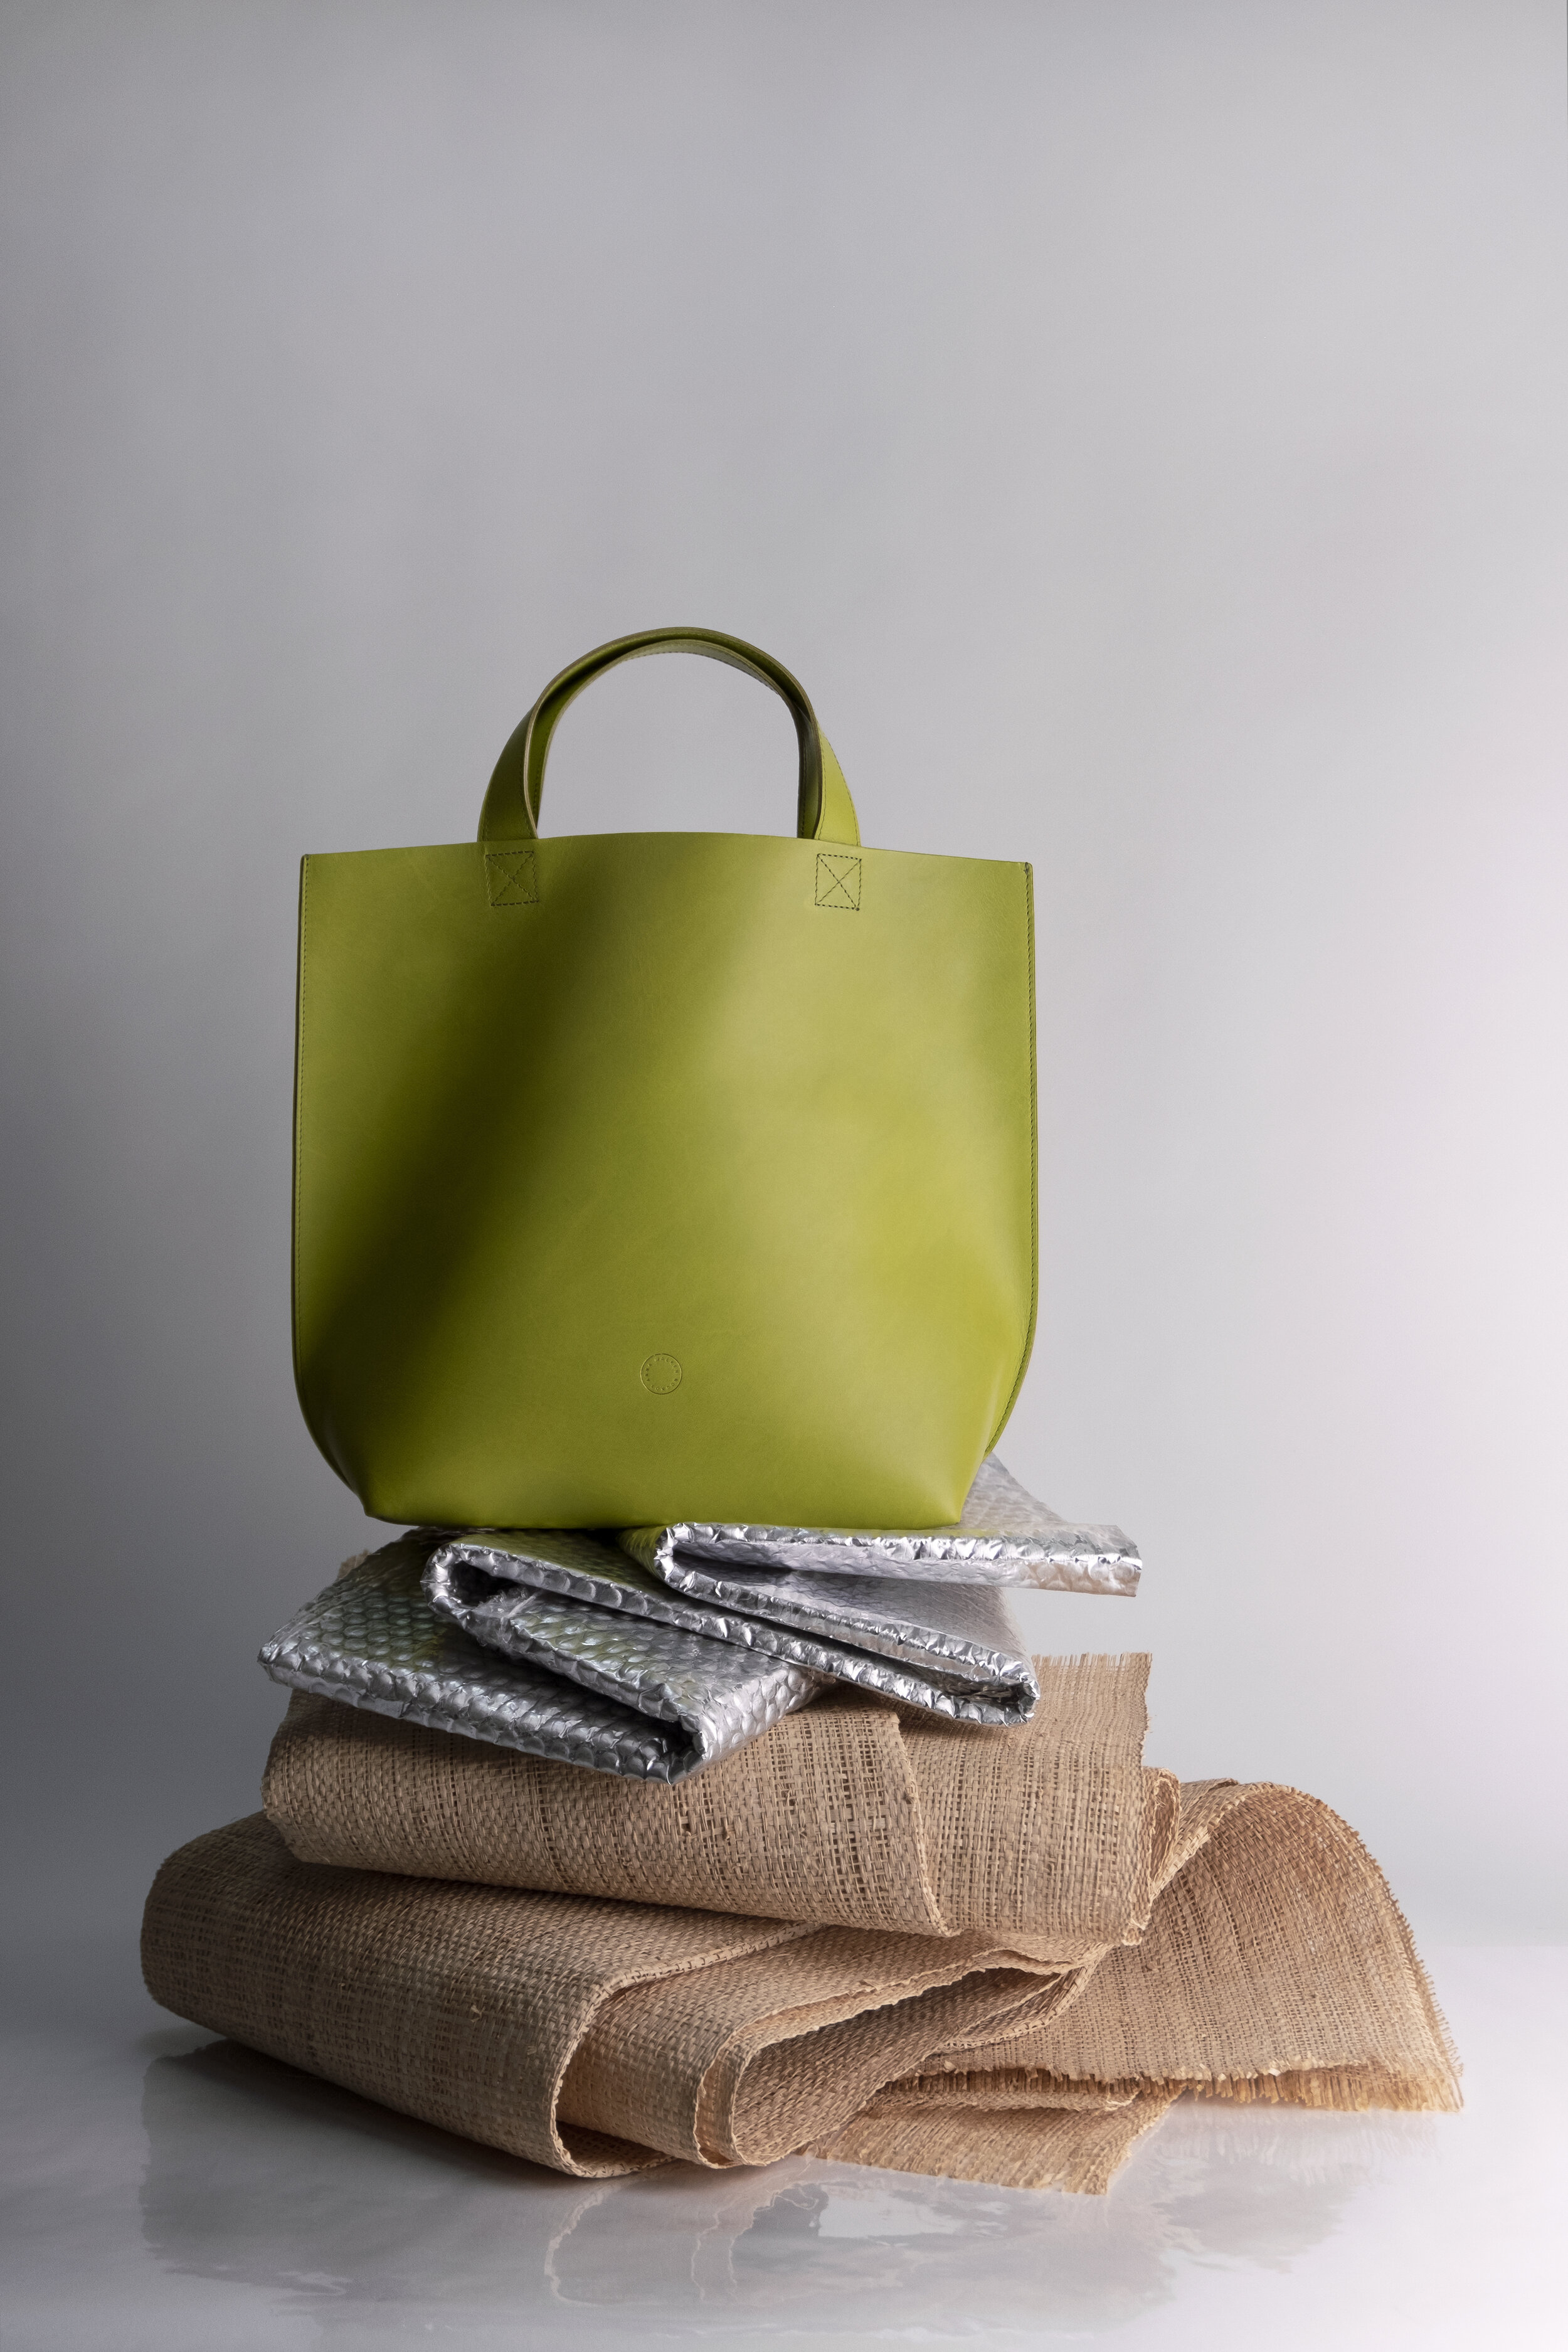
point(653, 1653)
point(1003, 1537)
point(618, 1696)
point(951, 1649)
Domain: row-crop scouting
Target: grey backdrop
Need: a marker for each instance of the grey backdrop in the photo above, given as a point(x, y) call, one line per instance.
point(1141, 425)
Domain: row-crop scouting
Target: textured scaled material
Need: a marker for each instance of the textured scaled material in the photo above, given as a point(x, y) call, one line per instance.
point(912, 1616)
point(618, 1694)
point(1003, 1537)
point(852, 1813)
point(1258, 1956)
point(952, 1648)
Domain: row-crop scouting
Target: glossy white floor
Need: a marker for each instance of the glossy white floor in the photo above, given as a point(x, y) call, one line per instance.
point(164, 2190)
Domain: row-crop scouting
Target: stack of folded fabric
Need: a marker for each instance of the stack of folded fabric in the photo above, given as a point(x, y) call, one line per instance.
point(845, 1871)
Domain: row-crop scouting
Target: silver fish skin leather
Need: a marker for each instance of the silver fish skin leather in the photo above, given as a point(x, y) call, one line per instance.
point(652, 1653)
point(950, 1649)
point(640, 1700)
point(1003, 1537)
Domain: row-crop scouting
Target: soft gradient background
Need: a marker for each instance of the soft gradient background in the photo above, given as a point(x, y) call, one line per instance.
point(1144, 429)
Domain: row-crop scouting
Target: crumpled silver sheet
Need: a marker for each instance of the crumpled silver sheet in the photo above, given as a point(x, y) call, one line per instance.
point(1003, 1537)
point(951, 1649)
point(639, 1699)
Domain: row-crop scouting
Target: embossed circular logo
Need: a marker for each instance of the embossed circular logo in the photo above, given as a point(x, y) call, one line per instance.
point(660, 1374)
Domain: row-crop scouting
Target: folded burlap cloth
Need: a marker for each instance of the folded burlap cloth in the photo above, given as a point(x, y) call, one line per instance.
point(997, 1955)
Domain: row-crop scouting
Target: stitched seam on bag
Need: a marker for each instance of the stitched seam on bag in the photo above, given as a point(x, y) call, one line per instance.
point(297, 1219)
point(512, 877)
point(299, 1113)
point(1033, 1169)
point(838, 884)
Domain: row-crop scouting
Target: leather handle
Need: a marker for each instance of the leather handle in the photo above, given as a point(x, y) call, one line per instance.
point(511, 811)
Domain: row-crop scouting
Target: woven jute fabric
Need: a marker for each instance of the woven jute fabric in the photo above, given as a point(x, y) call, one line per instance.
point(1076, 2148)
point(599, 2035)
point(854, 1813)
point(1276, 1966)
point(591, 2036)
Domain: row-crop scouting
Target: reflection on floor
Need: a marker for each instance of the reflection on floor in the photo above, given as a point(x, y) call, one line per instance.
point(257, 2172)
point(168, 2190)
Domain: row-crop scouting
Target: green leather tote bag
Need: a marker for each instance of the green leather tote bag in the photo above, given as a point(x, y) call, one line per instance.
point(658, 1176)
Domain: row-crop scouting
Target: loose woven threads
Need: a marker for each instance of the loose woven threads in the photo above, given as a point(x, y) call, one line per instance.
point(852, 1813)
point(600, 2036)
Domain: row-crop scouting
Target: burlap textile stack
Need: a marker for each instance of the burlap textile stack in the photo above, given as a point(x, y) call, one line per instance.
point(873, 1934)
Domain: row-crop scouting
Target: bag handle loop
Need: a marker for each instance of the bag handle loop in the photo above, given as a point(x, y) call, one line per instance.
point(511, 811)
